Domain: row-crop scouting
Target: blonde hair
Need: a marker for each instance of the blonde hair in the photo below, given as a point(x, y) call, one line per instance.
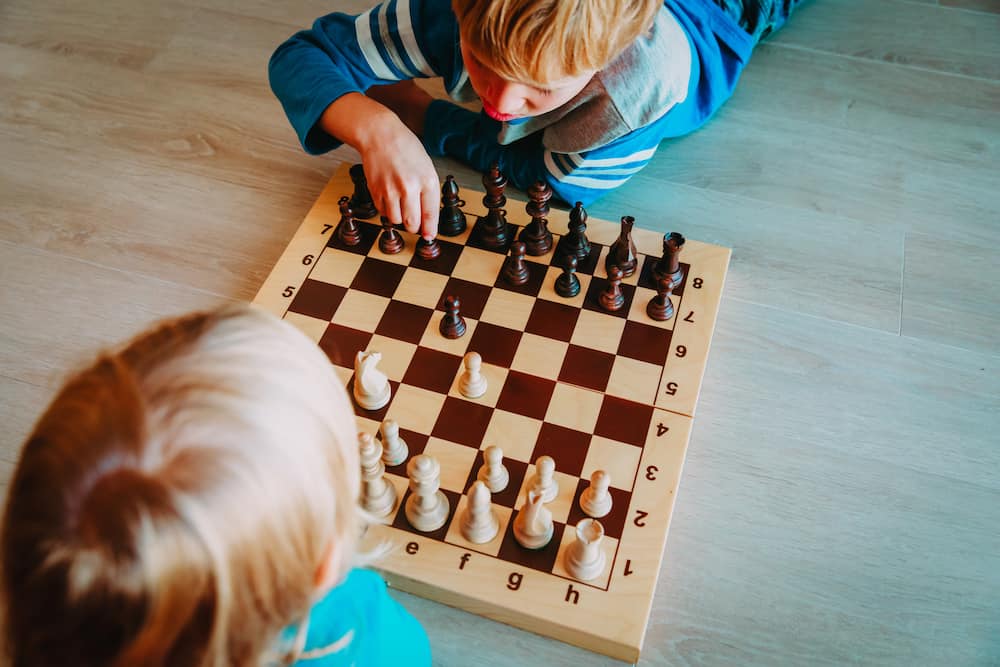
point(538, 41)
point(176, 500)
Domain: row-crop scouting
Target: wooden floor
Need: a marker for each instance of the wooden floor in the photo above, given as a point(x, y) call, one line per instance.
point(841, 498)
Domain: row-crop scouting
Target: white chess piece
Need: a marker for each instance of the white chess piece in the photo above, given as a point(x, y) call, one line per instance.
point(595, 500)
point(585, 560)
point(479, 522)
point(471, 383)
point(533, 525)
point(371, 386)
point(493, 471)
point(395, 448)
point(377, 495)
point(544, 480)
point(427, 507)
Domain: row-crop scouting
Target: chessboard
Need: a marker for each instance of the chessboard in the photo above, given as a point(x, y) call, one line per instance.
point(595, 390)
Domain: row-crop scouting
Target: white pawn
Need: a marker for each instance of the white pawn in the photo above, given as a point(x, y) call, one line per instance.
point(395, 449)
point(427, 507)
point(479, 523)
point(493, 471)
point(471, 383)
point(371, 386)
point(544, 480)
point(585, 560)
point(596, 499)
point(377, 495)
point(533, 526)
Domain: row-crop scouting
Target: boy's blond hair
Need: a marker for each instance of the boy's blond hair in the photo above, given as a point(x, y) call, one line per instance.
point(540, 41)
point(176, 500)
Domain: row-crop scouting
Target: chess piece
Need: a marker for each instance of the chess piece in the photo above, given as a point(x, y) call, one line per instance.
point(536, 235)
point(395, 448)
point(575, 243)
point(622, 251)
point(493, 472)
point(493, 230)
point(533, 526)
point(347, 231)
point(544, 481)
point(585, 560)
point(515, 271)
point(427, 507)
point(669, 264)
point(451, 219)
point(361, 200)
point(371, 386)
point(428, 250)
point(595, 500)
point(612, 299)
point(377, 495)
point(471, 383)
point(390, 241)
point(567, 284)
point(452, 324)
point(479, 523)
point(660, 307)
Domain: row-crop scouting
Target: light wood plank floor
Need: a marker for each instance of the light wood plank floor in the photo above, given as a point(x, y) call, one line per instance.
point(841, 498)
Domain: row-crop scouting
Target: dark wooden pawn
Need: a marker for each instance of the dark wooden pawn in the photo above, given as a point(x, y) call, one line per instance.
point(536, 235)
point(347, 231)
point(669, 265)
point(612, 299)
point(452, 324)
point(659, 307)
point(390, 241)
point(515, 270)
point(451, 219)
point(567, 284)
point(493, 230)
point(361, 200)
point(576, 243)
point(428, 250)
point(622, 251)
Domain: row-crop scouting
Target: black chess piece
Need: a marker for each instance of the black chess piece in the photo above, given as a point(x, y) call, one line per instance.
point(536, 235)
point(361, 200)
point(493, 230)
point(451, 219)
point(612, 299)
point(669, 265)
point(452, 324)
point(659, 307)
point(567, 284)
point(575, 243)
point(622, 251)
point(390, 241)
point(515, 271)
point(428, 250)
point(347, 231)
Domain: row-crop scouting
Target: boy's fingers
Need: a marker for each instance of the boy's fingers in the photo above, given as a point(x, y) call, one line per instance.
point(430, 203)
point(411, 213)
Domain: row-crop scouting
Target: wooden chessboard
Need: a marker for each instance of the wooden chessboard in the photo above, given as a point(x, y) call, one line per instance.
point(593, 390)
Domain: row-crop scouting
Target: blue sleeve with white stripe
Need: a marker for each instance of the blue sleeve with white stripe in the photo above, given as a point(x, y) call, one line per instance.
point(399, 39)
point(574, 177)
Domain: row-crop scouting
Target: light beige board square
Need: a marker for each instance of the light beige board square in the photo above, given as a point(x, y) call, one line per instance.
point(548, 291)
point(366, 425)
point(608, 545)
point(619, 460)
point(635, 380)
point(514, 434)
point(310, 326)
point(637, 312)
point(415, 409)
point(336, 267)
point(508, 309)
point(495, 377)
point(478, 266)
point(433, 339)
point(562, 503)
point(574, 407)
point(598, 331)
point(403, 256)
point(455, 461)
point(420, 288)
point(360, 310)
point(539, 356)
point(396, 355)
point(492, 547)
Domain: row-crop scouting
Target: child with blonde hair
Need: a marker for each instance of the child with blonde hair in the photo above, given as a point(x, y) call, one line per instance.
point(575, 93)
point(191, 499)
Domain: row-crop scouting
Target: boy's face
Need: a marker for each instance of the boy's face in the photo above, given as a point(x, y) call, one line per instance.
point(505, 100)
